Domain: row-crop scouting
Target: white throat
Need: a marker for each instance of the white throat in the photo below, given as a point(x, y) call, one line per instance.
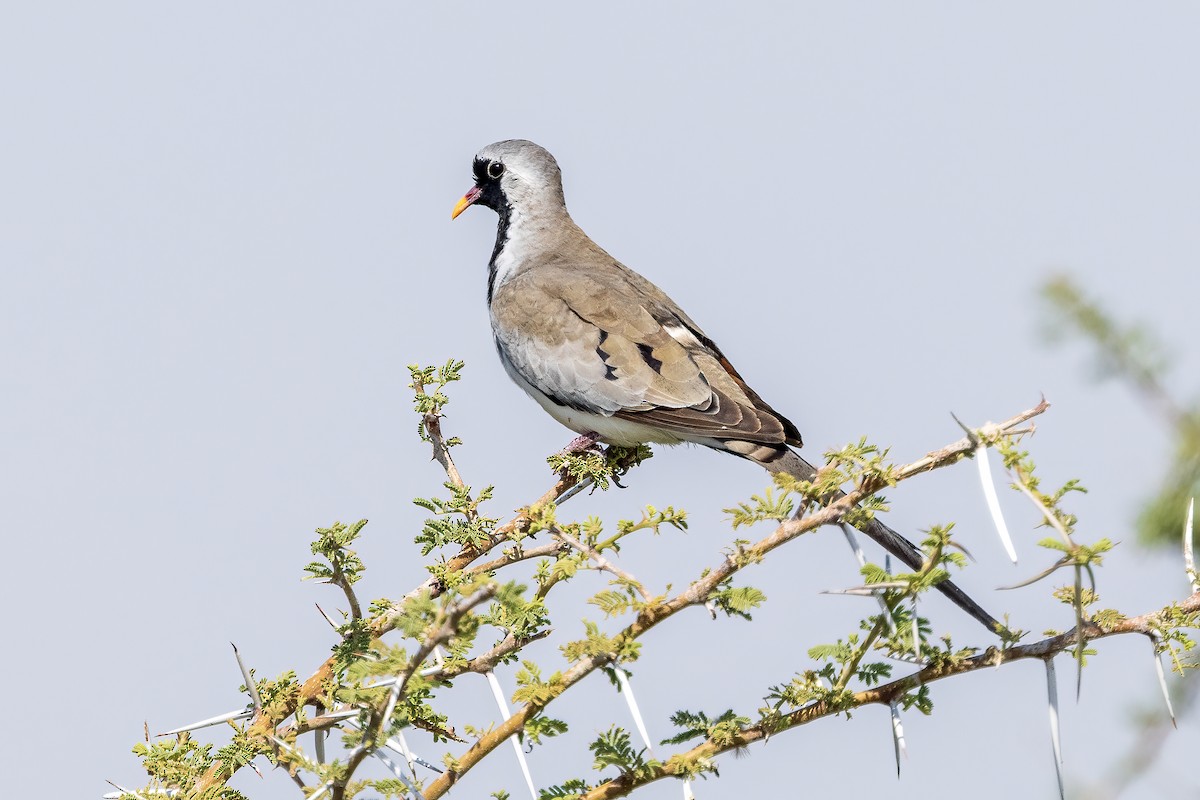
point(516, 247)
point(528, 239)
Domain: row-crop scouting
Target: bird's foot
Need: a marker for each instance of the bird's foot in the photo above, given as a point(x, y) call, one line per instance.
point(590, 463)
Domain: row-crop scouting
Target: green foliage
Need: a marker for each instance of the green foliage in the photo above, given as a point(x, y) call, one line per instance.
point(457, 519)
point(1171, 637)
point(691, 768)
point(737, 600)
point(939, 653)
point(416, 613)
point(614, 602)
point(1024, 470)
point(766, 506)
point(741, 553)
point(918, 700)
point(382, 660)
point(588, 465)
point(600, 467)
point(861, 464)
point(1107, 618)
point(855, 465)
point(388, 788)
point(239, 752)
point(516, 616)
point(343, 564)
point(356, 640)
point(175, 762)
point(541, 727)
point(652, 520)
point(217, 793)
point(805, 688)
point(1079, 557)
point(721, 731)
point(596, 643)
point(1133, 355)
point(613, 748)
point(1131, 351)
point(430, 404)
point(415, 708)
point(568, 790)
point(531, 688)
point(279, 694)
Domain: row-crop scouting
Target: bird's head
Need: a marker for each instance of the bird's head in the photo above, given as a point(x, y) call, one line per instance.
point(514, 174)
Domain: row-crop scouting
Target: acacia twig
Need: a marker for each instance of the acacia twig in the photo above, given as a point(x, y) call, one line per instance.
point(444, 632)
point(601, 562)
point(432, 422)
point(882, 694)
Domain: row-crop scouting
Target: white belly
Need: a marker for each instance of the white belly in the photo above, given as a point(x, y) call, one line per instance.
point(612, 430)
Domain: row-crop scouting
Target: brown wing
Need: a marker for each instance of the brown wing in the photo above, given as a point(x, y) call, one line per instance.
point(615, 344)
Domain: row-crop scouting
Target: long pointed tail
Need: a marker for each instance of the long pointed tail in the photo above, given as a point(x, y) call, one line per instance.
point(792, 464)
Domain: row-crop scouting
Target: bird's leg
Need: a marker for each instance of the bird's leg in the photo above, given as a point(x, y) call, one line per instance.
point(582, 443)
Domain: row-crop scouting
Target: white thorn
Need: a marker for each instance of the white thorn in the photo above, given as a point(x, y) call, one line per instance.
point(394, 680)
point(993, 502)
point(898, 745)
point(395, 768)
point(640, 724)
point(393, 698)
point(206, 723)
point(123, 790)
point(319, 744)
point(332, 624)
point(503, 706)
point(1189, 536)
point(408, 754)
point(869, 590)
point(574, 490)
point(251, 687)
point(1162, 678)
point(325, 787)
point(402, 749)
point(283, 744)
point(631, 701)
point(345, 713)
point(852, 540)
point(1055, 740)
point(424, 763)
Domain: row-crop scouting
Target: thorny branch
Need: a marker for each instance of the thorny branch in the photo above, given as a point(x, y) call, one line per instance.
point(889, 693)
point(651, 614)
point(697, 594)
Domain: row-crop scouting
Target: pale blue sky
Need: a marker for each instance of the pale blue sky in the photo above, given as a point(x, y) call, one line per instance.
point(224, 230)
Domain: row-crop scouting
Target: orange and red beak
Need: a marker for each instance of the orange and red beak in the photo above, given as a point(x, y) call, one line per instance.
point(468, 199)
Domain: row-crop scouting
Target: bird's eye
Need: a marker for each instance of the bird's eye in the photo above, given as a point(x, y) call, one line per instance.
point(495, 169)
